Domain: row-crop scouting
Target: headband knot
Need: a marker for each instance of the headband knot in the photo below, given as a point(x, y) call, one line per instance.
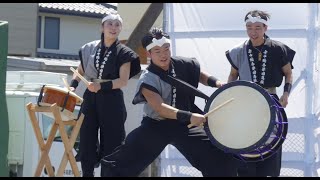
point(256, 19)
point(158, 42)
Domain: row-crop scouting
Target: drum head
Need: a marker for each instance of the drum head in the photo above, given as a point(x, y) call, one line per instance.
point(243, 124)
point(274, 142)
point(65, 91)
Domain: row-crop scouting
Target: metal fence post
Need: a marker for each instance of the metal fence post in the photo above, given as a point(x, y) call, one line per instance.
point(4, 127)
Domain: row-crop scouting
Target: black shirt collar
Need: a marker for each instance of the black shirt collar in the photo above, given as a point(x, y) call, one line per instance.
point(267, 41)
point(157, 70)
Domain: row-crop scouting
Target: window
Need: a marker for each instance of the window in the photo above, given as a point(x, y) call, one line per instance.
point(39, 32)
point(51, 33)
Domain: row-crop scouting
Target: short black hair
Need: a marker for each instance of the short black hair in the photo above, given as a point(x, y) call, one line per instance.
point(153, 33)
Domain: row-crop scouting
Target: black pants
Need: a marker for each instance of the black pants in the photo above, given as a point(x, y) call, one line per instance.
point(269, 167)
point(105, 111)
point(144, 144)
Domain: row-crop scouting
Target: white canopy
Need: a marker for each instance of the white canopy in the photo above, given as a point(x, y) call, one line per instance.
point(206, 31)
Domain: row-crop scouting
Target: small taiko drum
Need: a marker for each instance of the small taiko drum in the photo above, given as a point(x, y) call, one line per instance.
point(65, 99)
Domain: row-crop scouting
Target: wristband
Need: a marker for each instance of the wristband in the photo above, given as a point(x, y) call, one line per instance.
point(106, 85)
point(74, 83)
point(287, 88)
point(212, 81)
point(184, 117)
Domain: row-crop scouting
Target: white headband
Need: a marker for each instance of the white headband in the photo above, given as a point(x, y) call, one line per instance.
point(158, 42)
point(112, 17)
point(256, 19)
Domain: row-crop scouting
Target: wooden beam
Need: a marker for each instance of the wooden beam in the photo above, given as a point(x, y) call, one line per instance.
point(144, 25)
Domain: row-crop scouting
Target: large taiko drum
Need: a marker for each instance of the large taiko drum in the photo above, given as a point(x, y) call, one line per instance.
point(65, 99)
point(252, 127)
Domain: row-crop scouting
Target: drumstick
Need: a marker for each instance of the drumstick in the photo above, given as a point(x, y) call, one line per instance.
point(213, 110)
point(80, 76)
point(66, 83)
point(218, 107)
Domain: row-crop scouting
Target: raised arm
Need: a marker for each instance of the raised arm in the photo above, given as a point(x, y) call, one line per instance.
point(209, 80)
point(286, 69)
point(233, 75)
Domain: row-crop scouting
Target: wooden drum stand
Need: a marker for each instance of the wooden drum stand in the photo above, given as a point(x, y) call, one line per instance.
point(60, 113)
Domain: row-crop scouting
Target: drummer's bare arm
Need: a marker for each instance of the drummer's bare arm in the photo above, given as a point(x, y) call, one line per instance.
point(122, 81)
point(167, 111)
point(287, 71)
point(233, 75)
point(209, 80)
point(75, 79)
point(124, 76)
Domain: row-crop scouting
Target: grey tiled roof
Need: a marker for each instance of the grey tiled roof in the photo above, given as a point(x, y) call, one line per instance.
point(57, 56)
point(79, 9)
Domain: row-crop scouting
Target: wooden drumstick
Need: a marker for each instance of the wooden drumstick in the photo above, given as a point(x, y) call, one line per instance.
point(218, 107)
point(80, 76)
point(213, 110)
point(66, 83)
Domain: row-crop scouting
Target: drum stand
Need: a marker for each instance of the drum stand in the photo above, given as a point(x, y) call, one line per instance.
point(45, 147)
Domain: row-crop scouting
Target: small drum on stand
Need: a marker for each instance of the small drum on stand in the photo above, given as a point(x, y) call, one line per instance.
point(64, 98)
point(252, 127)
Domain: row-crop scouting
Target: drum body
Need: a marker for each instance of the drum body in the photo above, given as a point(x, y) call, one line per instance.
point(65, 99)
point(252, 127)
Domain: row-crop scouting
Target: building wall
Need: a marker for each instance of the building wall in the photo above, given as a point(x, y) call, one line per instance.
point(22, 20)
point(74, 32)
